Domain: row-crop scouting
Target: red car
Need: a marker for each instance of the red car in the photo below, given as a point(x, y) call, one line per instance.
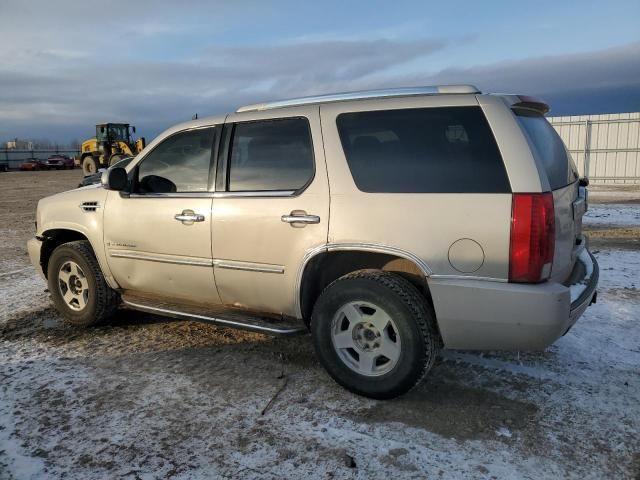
point(33, 164)
point(59, 162)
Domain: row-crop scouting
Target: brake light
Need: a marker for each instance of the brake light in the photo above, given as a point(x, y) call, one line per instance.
point(532, 237)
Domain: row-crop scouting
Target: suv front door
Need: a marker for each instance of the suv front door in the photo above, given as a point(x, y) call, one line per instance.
point(158, 236)
point(271, 206)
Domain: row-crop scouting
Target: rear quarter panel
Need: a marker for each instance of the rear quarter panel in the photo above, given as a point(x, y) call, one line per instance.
point(425, 225)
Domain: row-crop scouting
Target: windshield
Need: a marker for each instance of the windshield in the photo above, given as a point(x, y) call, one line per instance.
point(119, 132)
point(112, 133)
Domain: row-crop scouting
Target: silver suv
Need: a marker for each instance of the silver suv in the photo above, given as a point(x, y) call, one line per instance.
point(389, 223)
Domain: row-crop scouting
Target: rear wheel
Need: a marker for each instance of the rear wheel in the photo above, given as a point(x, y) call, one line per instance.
point(77, 286)
point(89, 165)
point(374, 333)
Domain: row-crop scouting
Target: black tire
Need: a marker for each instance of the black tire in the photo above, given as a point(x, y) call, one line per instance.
point(102, 301)
point(409, 310)
point(89, 165)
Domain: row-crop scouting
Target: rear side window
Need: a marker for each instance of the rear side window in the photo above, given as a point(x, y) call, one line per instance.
point(426, 150)
point(550, 152)
point(271, 155)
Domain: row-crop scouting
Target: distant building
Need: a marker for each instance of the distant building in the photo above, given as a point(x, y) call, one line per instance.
point(19, 145)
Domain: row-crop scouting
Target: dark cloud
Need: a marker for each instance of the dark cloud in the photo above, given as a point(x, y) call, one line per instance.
point(576, 83)
point(66, 92)
point(158, 94)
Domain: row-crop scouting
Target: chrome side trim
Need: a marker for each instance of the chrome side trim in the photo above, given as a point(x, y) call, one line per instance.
point(366, 247)
point(159, 257)
point(256, 194)
point(358, 95)
point(266, 193)
point(248, 266)
point(468, 277)
point(197, 261)
point(218, 321)
point(170, 195)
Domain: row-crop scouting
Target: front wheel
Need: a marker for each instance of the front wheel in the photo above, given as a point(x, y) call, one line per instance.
point(374, 333)
point(89, 165)
point(77, 286)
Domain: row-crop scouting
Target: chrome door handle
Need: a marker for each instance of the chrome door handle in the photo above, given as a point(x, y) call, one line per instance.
point(189, 216)
point(300, 216)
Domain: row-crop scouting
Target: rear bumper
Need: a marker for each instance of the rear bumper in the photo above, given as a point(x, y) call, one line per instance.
point(34, 247)
point(587, 286)
point(485, 315)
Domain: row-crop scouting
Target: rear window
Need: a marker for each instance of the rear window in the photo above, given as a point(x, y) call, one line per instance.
point(426, 150)
point(551, 154)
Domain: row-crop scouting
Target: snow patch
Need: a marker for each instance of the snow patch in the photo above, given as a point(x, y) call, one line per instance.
point(578, 288)
point(612, 214)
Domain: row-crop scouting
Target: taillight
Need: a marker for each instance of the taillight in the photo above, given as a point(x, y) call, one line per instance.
point(532, 237)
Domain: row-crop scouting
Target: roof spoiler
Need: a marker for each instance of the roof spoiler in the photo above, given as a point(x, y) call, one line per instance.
point(532, 103)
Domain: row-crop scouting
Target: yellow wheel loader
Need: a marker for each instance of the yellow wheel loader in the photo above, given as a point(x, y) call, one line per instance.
point(113, 142)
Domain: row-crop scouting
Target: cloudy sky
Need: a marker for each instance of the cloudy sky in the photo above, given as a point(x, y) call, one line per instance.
point(67, 65)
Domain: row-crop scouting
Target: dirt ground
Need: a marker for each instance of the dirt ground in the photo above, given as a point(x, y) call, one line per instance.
point(144, 397)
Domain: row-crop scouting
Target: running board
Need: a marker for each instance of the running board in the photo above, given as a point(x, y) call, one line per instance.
point(218, 315)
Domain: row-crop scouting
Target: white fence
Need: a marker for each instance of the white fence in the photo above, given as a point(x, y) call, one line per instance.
point(605, 147)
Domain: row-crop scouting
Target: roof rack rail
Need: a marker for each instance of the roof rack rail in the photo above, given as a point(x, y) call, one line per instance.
point(337, 97)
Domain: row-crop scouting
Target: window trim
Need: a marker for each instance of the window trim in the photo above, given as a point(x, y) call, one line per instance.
point(224, 160)
point(130, 193)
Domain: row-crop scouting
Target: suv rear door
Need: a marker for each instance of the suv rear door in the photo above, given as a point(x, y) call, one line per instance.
point(271, 206)
point(555, 163)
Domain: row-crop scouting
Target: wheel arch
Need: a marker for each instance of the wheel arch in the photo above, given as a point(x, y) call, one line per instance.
point(327, 263)
point(54, 237)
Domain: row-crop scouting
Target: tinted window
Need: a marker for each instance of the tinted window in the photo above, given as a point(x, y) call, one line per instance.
point(178, 164)
point(427, 150)
point(551, 153)
point(271, 155)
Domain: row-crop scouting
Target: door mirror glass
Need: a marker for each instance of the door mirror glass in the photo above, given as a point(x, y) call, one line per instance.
point(115, 179)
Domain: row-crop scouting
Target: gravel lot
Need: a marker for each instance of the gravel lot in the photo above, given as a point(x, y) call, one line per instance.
point(144, 397)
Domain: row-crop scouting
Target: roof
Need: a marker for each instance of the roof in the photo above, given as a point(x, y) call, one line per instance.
point(364, 94)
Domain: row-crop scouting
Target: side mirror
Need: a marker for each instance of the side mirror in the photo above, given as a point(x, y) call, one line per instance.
point(584, 182)
point(115, 179)
point(133, 127)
